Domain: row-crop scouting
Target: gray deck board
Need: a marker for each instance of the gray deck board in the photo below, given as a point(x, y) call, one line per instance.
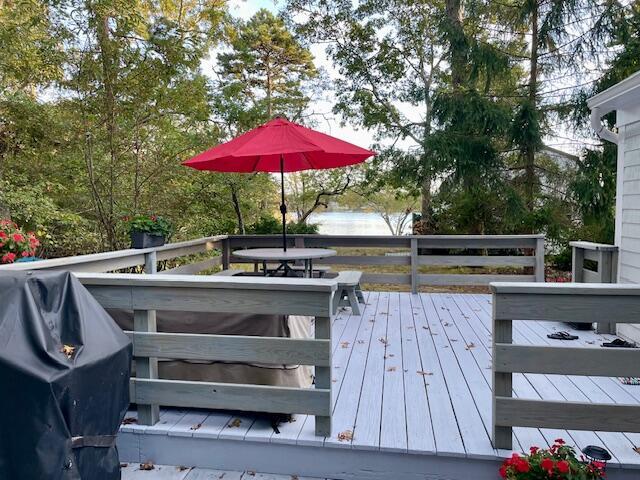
point(366, 432)
point(393, 428)
point(412, 375)
point(419, 426)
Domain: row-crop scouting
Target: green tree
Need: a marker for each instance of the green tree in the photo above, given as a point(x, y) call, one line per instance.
point(264, 72)
point(391, 62)
point(562, 36)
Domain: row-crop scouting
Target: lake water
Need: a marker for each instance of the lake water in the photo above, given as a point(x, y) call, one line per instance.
point(351, 223)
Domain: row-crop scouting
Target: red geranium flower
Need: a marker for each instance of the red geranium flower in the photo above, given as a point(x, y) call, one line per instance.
point(3, 235)
point(18, 237)
point(9, 258)
point(547, 464)
point(559, 441)
point(503, 471)
point(522, 466)
point(534, 450)
point(25, 254)
point(563, 466)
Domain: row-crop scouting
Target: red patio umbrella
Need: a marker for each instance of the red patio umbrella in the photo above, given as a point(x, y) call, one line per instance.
point(280, 146)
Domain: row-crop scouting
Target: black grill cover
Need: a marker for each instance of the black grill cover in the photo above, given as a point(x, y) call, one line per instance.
point(60, 408)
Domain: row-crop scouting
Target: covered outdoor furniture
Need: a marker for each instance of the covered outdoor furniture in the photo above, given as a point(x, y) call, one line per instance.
point(228, 324)
point(349, 293)
point(64, 371)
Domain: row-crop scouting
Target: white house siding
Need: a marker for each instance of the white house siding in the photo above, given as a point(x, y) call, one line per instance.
point(629, 240)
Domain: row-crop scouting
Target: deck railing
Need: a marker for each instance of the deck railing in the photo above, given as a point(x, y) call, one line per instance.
point(601, 267)
point(419, 251)
point(586, 303)
point(119, 259)
point(411, 253)
point(144, 294)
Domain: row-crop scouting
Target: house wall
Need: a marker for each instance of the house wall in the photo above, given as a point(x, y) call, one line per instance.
point(628, 212)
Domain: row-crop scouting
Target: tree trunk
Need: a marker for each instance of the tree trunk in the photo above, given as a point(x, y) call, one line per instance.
point(426, 226)
point(456, 42)
point(237, 209)
point(530, 147)
point(107, 55)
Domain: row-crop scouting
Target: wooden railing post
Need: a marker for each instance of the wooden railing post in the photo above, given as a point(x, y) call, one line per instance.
point(323, 374)
point(226, 253)
point(540, 260)
point(145, 321)
point(502, 381)
point(414, 265)
point(577, 264)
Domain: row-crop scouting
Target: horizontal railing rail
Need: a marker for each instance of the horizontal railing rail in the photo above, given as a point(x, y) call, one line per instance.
point(586, 303)
point(411, 253)
point(144, 294)
point(119, 259)
point(422, 250)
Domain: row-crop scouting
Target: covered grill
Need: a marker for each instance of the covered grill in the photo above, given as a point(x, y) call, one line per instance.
point(64, 377)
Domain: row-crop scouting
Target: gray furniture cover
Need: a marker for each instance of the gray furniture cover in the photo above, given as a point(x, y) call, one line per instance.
point(229, 324)
point(64, 377)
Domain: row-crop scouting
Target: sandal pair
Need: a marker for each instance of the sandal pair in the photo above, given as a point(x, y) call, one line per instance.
point(562, 336)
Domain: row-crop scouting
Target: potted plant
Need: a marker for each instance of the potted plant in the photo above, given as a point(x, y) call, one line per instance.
point(16, 245)
point(148, 231)
point(557, 462)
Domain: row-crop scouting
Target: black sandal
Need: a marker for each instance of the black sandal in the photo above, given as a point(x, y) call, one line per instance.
point(619, 343)
point(562, 336)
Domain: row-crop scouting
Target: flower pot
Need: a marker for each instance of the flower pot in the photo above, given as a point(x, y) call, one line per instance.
point(146, 240)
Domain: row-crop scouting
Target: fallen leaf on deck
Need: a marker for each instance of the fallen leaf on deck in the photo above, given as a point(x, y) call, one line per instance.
point(420, 372)
point(454, 339)
point(391, 369)
point(446, 324)
point(147, 466)
point(195, 427)
point(470, 346)
point(251, 473)
point(236, 422)
point(68, 350)
point(344, 344)
point(182, 468)
point(425, 327)
point(590, 342)
point(124, 465)
point(294, 477)
point(345, 436)
point(129, 421)
point(361, 342)
point(383, 341)
point(636, 449)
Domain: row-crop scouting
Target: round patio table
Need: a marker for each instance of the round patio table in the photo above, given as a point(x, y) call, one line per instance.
point(271, 255)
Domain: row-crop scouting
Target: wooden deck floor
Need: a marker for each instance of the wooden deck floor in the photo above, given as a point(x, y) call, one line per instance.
point(412, 375)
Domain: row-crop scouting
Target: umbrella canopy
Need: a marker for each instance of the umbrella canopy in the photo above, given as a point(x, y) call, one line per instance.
point(263, 148)
point(280, 146)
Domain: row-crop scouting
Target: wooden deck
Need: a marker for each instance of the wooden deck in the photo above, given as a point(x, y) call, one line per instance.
point(412, 399)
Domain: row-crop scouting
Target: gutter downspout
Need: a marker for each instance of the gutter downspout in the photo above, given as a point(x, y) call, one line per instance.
point(598, 127)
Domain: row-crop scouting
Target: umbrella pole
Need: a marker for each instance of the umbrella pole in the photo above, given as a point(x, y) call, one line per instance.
point(283, 206)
